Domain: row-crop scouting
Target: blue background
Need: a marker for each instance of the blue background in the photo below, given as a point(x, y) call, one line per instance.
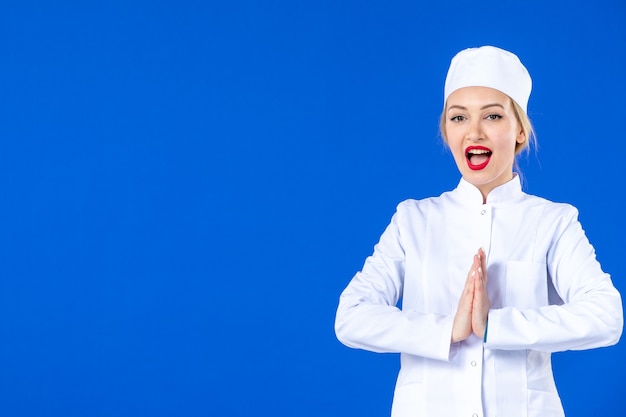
point(188, 186)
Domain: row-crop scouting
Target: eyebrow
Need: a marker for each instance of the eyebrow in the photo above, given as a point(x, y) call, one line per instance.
point(486, 106)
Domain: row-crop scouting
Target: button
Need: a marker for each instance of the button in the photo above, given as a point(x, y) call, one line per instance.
point(483, 212)
point(473, 363)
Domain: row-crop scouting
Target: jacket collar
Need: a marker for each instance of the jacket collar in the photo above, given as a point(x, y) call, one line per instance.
point(507, 192)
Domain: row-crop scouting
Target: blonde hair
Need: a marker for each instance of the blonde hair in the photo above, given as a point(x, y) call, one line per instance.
point(522, 119)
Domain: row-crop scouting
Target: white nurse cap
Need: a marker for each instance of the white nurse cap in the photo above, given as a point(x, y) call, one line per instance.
point(492, 67)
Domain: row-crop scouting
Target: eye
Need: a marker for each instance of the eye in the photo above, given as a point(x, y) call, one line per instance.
point(458, 118)
point(493, 117)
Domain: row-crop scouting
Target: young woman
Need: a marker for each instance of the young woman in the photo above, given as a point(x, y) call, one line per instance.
point(492, 280)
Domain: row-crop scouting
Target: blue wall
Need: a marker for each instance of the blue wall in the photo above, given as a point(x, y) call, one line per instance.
point(188, 186)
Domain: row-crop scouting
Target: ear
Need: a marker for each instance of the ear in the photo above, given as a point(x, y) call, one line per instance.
point(521, 136)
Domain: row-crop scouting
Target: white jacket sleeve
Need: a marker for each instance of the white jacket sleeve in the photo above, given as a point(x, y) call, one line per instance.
point(591, 314)
point(368, 318)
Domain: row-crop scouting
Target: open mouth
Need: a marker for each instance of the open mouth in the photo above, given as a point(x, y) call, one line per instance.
point(477, 157)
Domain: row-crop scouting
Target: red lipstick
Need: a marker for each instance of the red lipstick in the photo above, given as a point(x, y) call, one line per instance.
point(477, 157)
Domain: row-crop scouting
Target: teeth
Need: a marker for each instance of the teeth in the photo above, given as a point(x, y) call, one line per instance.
point(477, 151)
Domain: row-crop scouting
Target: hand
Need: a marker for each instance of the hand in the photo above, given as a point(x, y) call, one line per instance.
point(471, 314)
point(481, 304)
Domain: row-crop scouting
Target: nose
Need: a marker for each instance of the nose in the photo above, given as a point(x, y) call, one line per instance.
point(474, 131)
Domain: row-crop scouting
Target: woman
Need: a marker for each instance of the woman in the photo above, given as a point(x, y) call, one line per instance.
point(477, 341)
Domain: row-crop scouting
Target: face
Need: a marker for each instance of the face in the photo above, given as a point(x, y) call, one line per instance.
point(482, 130)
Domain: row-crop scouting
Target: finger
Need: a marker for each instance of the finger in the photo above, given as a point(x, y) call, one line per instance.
point(481, 296)
point(480, 287)
point(471, 276)
point(483, 264)
point(480, 279)
point(478, 266)
point(480, 307)
point(475, 262)
point(468, 290)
